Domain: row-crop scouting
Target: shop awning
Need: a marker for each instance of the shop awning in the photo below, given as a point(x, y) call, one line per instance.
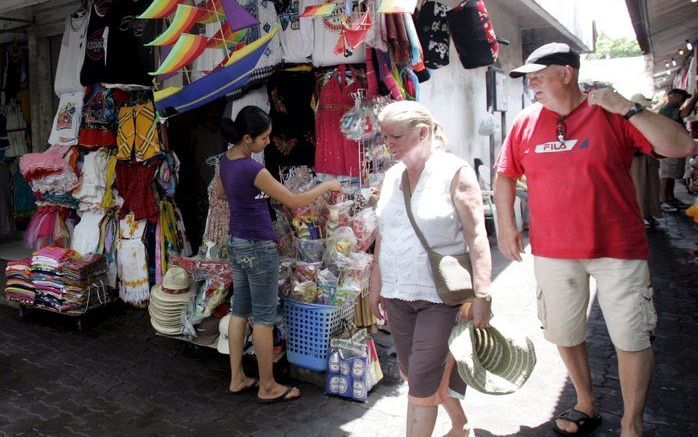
point(662, 28)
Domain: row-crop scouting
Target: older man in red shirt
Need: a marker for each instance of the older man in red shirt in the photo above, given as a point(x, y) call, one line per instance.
point(575, 150)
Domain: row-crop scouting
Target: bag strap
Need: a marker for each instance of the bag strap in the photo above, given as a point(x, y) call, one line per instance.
point(407, 193)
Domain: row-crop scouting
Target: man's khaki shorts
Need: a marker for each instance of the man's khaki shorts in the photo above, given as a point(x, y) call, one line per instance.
point(623, 290)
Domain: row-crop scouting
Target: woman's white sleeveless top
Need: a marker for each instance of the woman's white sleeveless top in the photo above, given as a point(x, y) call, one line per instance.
point(403, 261)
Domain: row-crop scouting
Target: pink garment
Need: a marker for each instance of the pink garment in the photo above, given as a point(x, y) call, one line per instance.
point(33, 165)
point(218, 218)
point(334, 153)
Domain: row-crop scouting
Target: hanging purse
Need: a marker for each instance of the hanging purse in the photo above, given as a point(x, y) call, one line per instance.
point(452, 273)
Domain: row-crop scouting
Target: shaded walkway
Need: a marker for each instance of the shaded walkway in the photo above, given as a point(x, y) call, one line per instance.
point(117, 378)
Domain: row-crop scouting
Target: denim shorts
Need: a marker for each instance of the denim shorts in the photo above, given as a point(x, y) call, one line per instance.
point(255, 279)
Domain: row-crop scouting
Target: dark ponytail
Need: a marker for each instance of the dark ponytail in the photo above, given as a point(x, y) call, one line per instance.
point(251, 120)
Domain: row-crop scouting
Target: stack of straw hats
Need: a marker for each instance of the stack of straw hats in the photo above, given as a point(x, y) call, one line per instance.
point(168, 301)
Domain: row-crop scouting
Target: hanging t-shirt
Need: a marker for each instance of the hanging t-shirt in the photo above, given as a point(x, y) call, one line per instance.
point(265, 12)
point(128, 58)
point(72, 53)
point(296, 33)
point(293, 120)
point(326, 31)
point(66, 123)
point(257, 97)
point(580, 193)
point(93, 67)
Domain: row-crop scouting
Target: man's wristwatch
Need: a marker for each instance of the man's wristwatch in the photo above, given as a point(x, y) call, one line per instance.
point(634, 110)
point(487, 298)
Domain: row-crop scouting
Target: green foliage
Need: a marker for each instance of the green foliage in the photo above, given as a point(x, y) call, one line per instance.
point(607, 48)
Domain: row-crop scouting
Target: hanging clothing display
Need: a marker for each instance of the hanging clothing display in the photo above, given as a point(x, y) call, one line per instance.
point(99, 116)
point(334, 153)
point(326, 35)
point(15, 130)
point(72, 53)
point(93, 183)
point(265, 12)
point(66, 123)
point(131, 261)
point(134, 182)
point(138, 132)
point(86, 235)
point(296, 32)
point(128, 58)
point(432, 27)
point(14, 74)
point(293, 120)
point(218, 218)
point(48, 227)
point(257, 97)
point(94, 63)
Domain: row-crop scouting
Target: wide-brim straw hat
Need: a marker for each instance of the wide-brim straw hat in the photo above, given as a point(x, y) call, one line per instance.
point(488, 361)
point(176, 280)
point(174, 329)
point(157, 294)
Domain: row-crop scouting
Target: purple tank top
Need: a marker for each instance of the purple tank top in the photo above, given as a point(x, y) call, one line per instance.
point(249, 214)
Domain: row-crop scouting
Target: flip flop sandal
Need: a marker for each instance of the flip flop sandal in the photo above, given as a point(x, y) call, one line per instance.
point(281, 398)
point(585, 423)
point(249, 388)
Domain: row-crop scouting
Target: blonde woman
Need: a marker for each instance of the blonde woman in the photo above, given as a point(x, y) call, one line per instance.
point(447, 206)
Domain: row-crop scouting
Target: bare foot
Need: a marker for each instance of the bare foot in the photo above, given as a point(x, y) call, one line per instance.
point(243, 384)
point(463, 431)
point(276, 391)
point(631, 429)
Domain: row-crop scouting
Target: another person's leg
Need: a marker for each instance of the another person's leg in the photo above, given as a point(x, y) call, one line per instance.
point(236, 341)
point(563, 299)
point(240, 311)
point(627, 302)
point(262, 267)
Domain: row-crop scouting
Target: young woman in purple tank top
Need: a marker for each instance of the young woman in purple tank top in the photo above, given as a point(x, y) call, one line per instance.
point(252, 248)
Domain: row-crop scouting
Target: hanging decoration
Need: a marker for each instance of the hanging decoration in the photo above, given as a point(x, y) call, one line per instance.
point(235, 70)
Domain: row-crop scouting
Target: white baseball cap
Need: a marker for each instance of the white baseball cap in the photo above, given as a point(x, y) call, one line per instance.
point(554, 53)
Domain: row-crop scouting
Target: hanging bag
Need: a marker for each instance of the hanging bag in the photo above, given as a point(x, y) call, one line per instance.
point(452, 273)
point(472, 33)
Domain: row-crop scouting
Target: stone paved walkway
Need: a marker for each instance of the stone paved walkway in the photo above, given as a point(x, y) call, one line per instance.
point(117, 378)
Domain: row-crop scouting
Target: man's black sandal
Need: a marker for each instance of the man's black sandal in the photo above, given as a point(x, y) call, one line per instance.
point(585, 423)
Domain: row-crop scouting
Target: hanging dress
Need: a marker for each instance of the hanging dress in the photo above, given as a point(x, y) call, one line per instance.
point(218, 213)
point(131, 260)
point(334, 153)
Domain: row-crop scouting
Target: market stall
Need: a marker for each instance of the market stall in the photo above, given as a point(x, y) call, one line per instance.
point(139, 83)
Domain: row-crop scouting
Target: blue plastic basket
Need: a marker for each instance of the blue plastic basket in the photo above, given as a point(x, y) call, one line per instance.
point(310, 327)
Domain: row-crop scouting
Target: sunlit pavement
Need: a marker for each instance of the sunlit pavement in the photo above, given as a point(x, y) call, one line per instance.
point(118, 378)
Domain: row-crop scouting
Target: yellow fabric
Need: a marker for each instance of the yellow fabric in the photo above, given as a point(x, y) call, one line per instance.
point(168, 229)
point(110, 175)
point(137, 127)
